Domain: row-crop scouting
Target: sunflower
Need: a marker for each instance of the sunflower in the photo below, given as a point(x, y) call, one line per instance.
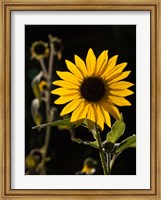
point(57, 46)
point(39, 50)
point(93, 89)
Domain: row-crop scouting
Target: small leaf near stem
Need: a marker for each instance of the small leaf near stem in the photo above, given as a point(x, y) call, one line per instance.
point(79, 141)
point(116, 132)
point(102, 156)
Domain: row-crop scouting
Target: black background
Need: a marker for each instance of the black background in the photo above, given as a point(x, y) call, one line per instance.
point(67, 156)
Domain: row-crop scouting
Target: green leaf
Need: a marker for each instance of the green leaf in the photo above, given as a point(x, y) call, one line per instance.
point(79, 141)
point(65, 121)
point(92, 144)
point(127, 143)
point(116, 132)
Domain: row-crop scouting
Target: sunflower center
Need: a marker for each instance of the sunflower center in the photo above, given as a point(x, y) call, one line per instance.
point(92, 89)
point(39, 49)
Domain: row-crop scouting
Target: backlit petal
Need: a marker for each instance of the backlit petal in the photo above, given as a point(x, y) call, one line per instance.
point(110, 108)
point(91, 62)
point(81, 65)
point(116, 70)
point(119, 77)
point(67, 76)
point(107, 118)
point(80, 112)
point(121, 93)
point(73, 68)
point(120, 85)
point(65, 84)
point(100, 117)
point(62, 91)
point(101, 61)
point(109, 66)
point(70, 106)
point(119, 101)
point(91, 113)
point(66, 99)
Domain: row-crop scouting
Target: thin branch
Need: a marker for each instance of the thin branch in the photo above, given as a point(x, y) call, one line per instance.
point(51, 57)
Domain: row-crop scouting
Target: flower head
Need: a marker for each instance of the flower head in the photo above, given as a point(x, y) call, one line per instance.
point(93, 89)
point(39, 50)
point(43, 85)
point(57, 45)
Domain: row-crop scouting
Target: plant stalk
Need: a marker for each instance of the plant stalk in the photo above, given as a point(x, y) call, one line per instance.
point(113, 160)
point(102, 155)
point(108, 157)
point(49, 115)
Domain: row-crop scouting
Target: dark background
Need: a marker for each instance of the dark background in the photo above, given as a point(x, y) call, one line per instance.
point(67, 156)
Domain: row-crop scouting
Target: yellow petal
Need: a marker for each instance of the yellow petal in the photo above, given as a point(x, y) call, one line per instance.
point(76, 113)
point(111, 77)
point(121, 85)
point(109, 66)
point(73, 68)
point(100, 117)
point(117, 69)
point(101, 61)
point(112, 63)
point(91, 62)
point(107, 118)
point(121, 76)
point(62, 91)
point(110, 108)
point(65, 99)
point(80, 112)
point(121, 93)
point(66, 84)
point(91, 113)
point(70, 106)
point(67, 76)
point(81, 65)
point(120, 101)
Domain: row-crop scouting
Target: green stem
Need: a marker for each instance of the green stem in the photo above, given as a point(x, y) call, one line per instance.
point(102, 156)
point(113, 160)
point(49, 115)
point(51, 59)
point(108, 155)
